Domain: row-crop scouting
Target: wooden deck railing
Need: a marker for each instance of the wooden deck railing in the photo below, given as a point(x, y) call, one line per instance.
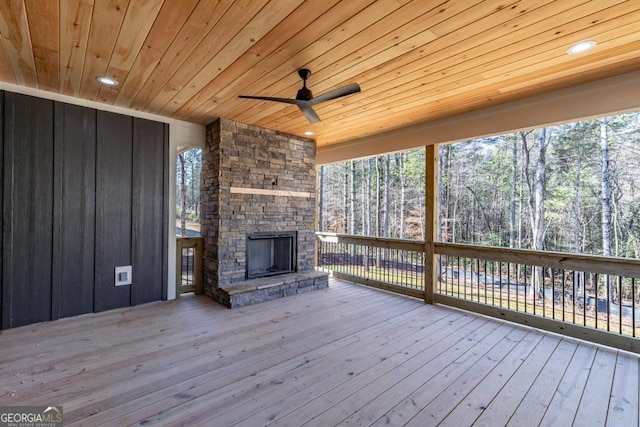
point(590, 297)
point(189, 252)
point(390, 264)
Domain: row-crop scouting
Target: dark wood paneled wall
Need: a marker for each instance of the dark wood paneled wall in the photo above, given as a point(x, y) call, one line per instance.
point(1, 207)
point(148, 211)
point(27, 210)
point(113, 207)
point(82, 191)
point(74, 210)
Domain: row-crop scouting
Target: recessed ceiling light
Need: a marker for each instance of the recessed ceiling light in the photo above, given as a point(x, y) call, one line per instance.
point(581, 47)
point(308, 133)
point(109, 81)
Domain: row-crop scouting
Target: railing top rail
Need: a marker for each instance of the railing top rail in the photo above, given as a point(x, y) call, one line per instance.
point(379, 242)
point(628, 267)
point(188, 242)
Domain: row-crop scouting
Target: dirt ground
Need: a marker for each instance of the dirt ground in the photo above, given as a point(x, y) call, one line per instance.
point(190, 226)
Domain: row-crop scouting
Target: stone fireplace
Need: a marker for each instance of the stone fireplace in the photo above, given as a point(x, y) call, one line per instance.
point(258, 214)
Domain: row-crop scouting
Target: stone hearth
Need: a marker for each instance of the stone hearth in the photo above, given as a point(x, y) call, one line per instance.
point(256, 181)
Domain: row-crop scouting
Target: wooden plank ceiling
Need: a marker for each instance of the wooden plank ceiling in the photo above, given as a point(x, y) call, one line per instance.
point(415, 60)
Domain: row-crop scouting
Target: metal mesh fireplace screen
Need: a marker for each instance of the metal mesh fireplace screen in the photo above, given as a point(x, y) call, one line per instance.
point(269, 254)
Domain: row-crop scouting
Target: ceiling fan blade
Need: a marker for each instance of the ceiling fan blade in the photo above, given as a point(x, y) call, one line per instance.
point(337, 93)
point(303, 101)
point(304, 106)
point(308, 112)
point(268, 98)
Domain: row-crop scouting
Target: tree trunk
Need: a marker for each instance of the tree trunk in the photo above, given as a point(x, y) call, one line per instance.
point(512, 194)
point(345, 206)
point(403, 191)
point(576, 209)
point(578, 277)
point(320, 197)
point(368, 198)
point(378, 222)
point(198, 171)
point(606, 189)
point(540, 186)
point(365, 211)
point(446, 223)
point(606, 200)
point(183, 196)
point(352, 168)
point(378, 173)
point(536, 200)
point(192, 199)
point(385, 229)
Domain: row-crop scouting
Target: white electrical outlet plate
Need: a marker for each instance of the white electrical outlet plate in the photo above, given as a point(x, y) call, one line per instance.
point(123, 275)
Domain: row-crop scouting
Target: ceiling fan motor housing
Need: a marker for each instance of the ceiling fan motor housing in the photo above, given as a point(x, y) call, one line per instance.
point(304, 94)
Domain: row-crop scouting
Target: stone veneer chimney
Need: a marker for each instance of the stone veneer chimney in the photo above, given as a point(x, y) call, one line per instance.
point(255, 180)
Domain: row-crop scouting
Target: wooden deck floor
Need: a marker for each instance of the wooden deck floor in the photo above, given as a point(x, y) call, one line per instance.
point(346, 355)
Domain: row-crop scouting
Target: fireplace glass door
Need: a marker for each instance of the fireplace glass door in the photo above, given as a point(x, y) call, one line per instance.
point(270, 254)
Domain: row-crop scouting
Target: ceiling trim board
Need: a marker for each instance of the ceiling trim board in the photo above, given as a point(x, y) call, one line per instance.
point(611, 95)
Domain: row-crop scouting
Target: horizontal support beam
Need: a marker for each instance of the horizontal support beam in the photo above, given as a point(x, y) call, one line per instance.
point(598, 98)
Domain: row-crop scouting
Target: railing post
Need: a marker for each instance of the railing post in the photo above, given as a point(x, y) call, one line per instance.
point(179, 246)
point(199, 266)
point(430, 218)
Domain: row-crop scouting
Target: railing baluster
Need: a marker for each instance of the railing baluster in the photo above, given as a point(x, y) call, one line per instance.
point(563, 292)
point(534, 284)
point(597, 306)
point(584, 299)
point(607, 289)
point(500, 266)
point(620, 313)
point(496, 278)
point(458, 275)
point(633, 306)
point(553, 293)
point(525, 293)
point(574, 296)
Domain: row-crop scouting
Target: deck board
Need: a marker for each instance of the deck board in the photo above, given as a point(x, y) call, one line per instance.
point(567, 395)
point(346, 355)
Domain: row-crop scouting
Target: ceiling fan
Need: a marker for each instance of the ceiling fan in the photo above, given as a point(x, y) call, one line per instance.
point(305, 100)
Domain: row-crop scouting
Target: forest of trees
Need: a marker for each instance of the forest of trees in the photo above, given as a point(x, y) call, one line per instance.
point(378, 196)
point(188, 168)
point(572, 188)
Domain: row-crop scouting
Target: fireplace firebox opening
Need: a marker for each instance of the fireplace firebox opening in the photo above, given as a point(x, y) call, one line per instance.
point(271, 253)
